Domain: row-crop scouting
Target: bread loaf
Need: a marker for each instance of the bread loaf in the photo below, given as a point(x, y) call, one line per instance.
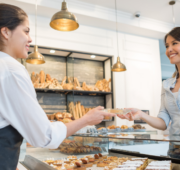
point(48, 78)
point(37, 79)
point(42, 76)
point(63, 81)
point(33, 77)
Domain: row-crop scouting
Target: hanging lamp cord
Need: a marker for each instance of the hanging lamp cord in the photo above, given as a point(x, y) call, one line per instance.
point(116, 28)
point(173, 15)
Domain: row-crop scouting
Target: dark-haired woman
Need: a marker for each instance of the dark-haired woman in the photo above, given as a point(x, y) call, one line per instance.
point(20, 114)
point(170, 96)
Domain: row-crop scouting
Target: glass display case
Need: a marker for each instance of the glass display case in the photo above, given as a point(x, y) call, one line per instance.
point(121, 145)
point(150, 145)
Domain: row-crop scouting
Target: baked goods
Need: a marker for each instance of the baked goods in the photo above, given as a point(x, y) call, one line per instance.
point(138, 163)
point(86, 162)
point(112, 127)
point(72, 147)
point(113, 158)
point(69, 166)
point(101, 128)
point(42, 76)
point(80, 168)
point(33, 77)
point(124, 127)
point(111, 163)
point(102, 164)
point(159, 165)
point(78, 110)
point(58, 162)
point(59, 116)
point(43, 80)
point(100, 155)
point(49, 161)
point(104, 157)
point(96, 156)
point(138, 127)
point(48, 78)
point(103, 85)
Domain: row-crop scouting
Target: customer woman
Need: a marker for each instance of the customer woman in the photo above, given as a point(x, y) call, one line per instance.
point(170, 96)
point(20, 114)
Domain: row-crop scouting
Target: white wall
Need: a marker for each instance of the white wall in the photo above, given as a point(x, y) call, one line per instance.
point(139, 86)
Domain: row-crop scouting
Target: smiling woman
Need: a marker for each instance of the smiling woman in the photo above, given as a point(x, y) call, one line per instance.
point(14, 33)
point(21, 116)
point(170, 95)
point(172, 42)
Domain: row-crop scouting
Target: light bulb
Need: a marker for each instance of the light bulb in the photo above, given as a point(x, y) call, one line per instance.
point(52, 51)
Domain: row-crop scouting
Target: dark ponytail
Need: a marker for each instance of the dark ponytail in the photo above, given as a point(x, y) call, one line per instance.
point(175, 33)
point(10, 16)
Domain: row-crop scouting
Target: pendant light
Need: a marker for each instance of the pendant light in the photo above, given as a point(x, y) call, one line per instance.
point(118, 66)
point(64, 20)
point(35, 57)
point(172, 3)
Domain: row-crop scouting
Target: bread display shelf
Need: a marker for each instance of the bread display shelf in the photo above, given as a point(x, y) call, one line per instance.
point(76, 92)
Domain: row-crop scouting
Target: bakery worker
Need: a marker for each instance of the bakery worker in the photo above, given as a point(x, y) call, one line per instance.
point(170, 96)
point(21, 116)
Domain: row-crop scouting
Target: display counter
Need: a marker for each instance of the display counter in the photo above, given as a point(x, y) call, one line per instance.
point(148, 145)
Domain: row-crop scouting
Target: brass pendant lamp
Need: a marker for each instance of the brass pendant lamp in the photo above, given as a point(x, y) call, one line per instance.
point(118, 66)
point(35, 57)
point(64, 20)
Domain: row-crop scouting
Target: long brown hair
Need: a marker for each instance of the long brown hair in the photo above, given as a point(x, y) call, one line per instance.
point(175, 33)
point(10, 16)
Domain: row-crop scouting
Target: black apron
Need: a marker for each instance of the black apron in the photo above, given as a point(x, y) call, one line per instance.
point(10, 142)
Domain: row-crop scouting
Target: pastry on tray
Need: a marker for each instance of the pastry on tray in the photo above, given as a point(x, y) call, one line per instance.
point(138, 127)
point(124, 127)
point(102, 164)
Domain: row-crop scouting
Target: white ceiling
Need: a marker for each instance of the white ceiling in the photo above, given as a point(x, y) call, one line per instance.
point(155, 9)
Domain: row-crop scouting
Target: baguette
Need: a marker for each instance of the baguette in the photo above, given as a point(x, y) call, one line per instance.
point(83, 111)
point(42, 76)
point(79, 108)
point(48, 78)
point(37, 79)
point(77, 113)
point(33, 77)
point(74, 113)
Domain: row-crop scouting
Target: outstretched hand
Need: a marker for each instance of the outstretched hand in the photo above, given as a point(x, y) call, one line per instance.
point(134, 114)
point(96, 115)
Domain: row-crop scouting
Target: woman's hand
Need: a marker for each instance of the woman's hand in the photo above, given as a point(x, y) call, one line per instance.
point(93, 117)
point(96, 116)
point(135, 114)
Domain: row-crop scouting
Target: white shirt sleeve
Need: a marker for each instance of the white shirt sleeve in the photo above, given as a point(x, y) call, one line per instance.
point(20, 108)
